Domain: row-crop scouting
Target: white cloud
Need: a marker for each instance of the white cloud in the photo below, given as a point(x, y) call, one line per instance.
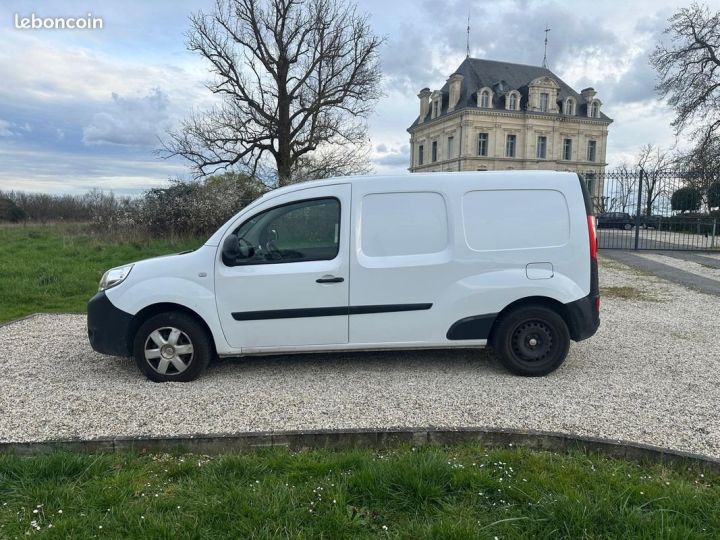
point(68, 172)
point(11, 129)
point(57, 73)
point(5, 129)
point(130, 121)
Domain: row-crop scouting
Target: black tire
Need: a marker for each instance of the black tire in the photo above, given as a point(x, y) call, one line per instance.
point(627, 226)
point(513, 335)
point(191, 333)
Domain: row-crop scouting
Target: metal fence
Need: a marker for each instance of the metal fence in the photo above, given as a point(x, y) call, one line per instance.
point(668, 210)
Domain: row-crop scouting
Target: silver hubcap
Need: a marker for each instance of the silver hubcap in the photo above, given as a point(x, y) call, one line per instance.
point(168, 350)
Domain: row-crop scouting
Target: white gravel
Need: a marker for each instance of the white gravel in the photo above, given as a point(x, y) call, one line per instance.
point(650, 375)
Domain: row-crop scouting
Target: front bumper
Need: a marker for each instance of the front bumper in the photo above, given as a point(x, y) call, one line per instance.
point(108, 327)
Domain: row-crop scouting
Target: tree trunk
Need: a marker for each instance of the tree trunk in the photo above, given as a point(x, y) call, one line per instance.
point(283, 159)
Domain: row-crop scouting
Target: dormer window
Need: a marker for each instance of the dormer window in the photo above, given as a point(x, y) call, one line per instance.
point(570, 107)
point(485, 99)
point(544, 101)
point(595, 109)
point(435, 104)
point(513, 102)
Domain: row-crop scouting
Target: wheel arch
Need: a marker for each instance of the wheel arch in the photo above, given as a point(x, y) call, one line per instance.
point(544, 301)
point(164, 307)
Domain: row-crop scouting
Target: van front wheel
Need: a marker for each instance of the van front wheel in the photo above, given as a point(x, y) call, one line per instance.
point(531, 341)
point(172, 346)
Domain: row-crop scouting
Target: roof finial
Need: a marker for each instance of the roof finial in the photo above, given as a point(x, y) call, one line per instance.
point(467, 45)
point(544, 64)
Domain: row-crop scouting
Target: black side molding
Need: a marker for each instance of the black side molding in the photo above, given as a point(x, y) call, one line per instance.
point(581, 316)
point(388, 308)
point(475, 327)
point(325, 311)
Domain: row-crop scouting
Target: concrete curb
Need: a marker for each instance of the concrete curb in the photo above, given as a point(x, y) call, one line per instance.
point(369, 438)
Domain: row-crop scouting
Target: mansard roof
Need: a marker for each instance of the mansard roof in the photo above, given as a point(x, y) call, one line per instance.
point(501, 77)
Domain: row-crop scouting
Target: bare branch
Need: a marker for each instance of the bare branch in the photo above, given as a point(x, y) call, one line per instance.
point(689, 69)
point(297, 80)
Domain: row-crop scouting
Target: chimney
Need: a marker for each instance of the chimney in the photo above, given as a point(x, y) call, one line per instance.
point(588, 94)
point(454, 83)
point(424, 96)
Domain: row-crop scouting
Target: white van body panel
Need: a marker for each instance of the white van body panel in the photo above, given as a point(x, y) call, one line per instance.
point(461, 281)
point(464, 244)
point(286, 286)
point(184, 279)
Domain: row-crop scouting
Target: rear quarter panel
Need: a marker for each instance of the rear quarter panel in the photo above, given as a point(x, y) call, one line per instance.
point(530, 218)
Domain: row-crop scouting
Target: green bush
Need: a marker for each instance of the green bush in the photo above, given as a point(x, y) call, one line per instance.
point(691, 222)
point(9, 211)
point(713, 194)
point(686, 199)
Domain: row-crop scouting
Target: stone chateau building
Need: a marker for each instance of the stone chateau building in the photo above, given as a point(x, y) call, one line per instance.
point(497, 115)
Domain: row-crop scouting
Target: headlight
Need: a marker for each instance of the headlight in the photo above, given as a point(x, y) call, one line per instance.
point(114, 276)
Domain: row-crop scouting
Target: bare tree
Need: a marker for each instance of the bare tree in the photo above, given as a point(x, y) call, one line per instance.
point(701, 167)
point(625, 192)
point(689, 69)
point(657, 164)
point(295, 79)
point(335, 161)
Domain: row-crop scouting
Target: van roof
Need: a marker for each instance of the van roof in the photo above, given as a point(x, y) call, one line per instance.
point(454, 175)
point(381, 180)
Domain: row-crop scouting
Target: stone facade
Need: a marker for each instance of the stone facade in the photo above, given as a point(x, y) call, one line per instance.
point(496, 115)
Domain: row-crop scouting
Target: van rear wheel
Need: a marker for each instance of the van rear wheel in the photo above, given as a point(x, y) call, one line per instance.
point(531, 341)
point(172, 346)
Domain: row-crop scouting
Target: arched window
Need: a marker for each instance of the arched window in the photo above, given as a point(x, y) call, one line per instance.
point(513, 102)
point(595, 109)
point(485, 99)
point(570, 107)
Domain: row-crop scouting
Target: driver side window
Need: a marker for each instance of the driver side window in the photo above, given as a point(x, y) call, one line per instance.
point(300, 231)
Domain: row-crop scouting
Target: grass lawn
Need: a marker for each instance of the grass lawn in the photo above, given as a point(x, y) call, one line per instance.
point(459, 492)
point(52, 268)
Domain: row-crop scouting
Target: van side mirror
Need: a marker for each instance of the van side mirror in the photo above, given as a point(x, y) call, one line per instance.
point(236, 249)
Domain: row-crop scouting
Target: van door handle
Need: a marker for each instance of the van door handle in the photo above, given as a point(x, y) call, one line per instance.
point(329, 279)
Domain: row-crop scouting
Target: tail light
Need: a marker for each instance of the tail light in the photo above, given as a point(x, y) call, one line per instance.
point(592, 233)
point(594, 282)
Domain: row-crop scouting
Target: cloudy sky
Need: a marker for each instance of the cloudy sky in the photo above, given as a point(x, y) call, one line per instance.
point(84, 108)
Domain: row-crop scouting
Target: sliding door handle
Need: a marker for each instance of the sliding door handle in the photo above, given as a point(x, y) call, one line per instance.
point(329, 279)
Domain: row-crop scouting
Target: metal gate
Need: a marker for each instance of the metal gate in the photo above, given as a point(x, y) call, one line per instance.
point(668, 210)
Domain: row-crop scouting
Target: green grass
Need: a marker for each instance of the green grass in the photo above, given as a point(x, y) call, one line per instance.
point(46, 268)
point(454, 493)
point(626, 293)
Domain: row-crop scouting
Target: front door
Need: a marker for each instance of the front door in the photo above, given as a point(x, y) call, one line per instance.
point(288, 285)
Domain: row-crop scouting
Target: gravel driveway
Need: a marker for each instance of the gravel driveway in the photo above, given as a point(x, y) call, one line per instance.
point(651, 375)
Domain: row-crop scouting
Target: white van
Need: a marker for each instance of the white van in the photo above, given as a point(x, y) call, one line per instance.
point(437, 260)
